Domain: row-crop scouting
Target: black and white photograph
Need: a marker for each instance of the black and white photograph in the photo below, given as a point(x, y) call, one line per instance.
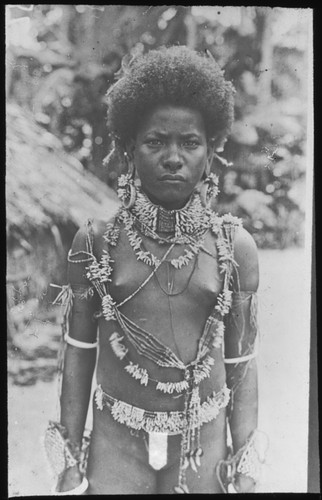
point(159, 232)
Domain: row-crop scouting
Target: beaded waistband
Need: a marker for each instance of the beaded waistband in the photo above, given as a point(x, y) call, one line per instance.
point(171, 422)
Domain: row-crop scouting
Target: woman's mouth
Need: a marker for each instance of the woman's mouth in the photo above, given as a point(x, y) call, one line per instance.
point(172, 178)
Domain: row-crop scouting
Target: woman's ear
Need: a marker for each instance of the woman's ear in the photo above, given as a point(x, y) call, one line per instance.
point(211, 147)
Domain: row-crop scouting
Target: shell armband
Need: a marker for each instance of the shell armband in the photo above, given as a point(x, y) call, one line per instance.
point(61, 453)
point(78, 343)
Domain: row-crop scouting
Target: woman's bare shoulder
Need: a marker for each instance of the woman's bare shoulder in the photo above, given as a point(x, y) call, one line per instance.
point(246, 257)
point(88, 244)
point(91, 231)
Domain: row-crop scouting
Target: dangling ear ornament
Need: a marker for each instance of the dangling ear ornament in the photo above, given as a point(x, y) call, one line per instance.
point(126, 189)
point(209, 189)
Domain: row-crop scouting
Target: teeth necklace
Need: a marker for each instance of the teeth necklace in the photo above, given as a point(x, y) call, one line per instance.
point(144, 255)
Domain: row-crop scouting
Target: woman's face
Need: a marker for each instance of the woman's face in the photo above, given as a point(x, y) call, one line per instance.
point(170, 154)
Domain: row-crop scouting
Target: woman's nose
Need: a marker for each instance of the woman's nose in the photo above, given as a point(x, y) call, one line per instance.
point(173, 160)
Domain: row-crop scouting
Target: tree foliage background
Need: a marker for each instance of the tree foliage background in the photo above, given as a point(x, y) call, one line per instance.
point(61, 60)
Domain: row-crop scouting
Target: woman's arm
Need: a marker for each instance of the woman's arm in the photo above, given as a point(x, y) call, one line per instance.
point(240, 338)
point(79, 363)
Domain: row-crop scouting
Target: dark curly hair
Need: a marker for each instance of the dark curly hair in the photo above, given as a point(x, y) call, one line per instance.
point(175, 75)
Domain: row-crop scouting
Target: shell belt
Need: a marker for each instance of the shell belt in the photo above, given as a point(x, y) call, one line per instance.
point(171, 422)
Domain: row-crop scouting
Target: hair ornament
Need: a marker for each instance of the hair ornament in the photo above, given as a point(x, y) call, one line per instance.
point(209, 54)
point(223, 162)
point(109, 156)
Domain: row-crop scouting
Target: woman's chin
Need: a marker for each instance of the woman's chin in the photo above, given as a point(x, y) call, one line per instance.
point(173, 199)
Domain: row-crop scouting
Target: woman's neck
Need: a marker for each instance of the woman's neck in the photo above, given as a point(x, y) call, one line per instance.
point(188, 220)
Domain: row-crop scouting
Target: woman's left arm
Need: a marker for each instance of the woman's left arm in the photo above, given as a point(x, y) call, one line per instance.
point(240, 337)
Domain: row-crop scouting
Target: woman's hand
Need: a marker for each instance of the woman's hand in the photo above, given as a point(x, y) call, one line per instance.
point(70, 479)
point(244, 484)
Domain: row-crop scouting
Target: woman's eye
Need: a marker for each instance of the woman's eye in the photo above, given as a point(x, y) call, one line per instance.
point(191, 144)
point(154, 142)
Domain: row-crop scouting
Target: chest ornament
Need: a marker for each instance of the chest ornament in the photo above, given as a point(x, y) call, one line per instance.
point(187, 227)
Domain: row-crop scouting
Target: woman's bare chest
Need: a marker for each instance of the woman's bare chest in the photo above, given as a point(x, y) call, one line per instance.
point(171, 302)
point(198, 279)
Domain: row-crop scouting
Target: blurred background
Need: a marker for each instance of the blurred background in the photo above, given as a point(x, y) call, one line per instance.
point(60, 61)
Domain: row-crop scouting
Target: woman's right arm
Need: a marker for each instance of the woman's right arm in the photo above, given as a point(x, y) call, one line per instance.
point(79, 363)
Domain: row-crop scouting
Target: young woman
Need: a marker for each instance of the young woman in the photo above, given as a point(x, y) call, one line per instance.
point(166, 290)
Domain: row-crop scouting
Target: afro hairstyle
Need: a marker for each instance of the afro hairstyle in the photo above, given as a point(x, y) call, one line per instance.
point(177, 76)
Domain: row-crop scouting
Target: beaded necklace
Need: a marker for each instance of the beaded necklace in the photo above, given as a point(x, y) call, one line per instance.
point(191, 220)
point(201, 369)
point(171, 293)
point(144, 255)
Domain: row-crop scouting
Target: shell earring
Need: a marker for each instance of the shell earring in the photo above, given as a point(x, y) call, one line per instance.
point(126, 189)
point(209, 188)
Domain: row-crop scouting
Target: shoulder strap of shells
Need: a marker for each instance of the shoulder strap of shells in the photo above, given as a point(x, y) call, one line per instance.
point(226, 240)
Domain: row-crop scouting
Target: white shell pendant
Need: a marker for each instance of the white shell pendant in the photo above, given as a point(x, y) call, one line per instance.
point(158, 449)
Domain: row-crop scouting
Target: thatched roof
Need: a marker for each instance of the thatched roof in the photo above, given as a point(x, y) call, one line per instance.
point(45, 186)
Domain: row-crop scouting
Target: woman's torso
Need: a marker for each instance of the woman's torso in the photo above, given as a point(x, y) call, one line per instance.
point(174, 306)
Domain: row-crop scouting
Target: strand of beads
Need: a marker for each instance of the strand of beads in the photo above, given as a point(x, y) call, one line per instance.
point(139, 373)
point(148, 278)
point(148, 257)
point(187, 221)
point(200, 372)
point(148, 345)
point(112, 232)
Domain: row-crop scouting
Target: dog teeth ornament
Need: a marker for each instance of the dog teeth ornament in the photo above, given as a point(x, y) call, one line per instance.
point(198, 455)
point(181, 489)
point(193, 464)
point(231, 488)
point(185, 463)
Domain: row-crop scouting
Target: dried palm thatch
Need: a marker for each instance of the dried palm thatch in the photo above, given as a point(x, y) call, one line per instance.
point(45, 186)
point(48, 196)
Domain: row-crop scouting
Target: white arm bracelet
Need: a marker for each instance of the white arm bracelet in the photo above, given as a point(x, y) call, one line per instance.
point(79, 490)
point(241, 359)
point(78, 343)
